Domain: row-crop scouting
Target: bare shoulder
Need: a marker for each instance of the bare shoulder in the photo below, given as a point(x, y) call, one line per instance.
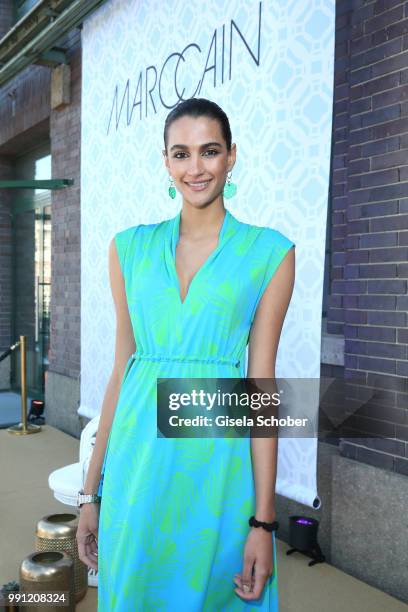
point(270, 314)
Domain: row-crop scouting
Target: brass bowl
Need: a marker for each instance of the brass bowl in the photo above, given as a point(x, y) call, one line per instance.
point(57, 532)
point(44, 574)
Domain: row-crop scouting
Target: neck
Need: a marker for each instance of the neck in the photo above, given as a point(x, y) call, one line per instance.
point(197, 223)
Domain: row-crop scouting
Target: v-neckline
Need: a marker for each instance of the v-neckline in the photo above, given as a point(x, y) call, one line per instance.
point(174, 242)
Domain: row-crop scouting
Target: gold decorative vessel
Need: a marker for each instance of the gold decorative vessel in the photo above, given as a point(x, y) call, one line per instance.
point(57, 532)
point(43, 577)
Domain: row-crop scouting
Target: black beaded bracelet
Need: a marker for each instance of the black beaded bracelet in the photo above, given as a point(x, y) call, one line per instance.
point(268, 526)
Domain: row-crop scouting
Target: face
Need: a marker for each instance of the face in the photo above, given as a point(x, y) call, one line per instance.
point(197, 159)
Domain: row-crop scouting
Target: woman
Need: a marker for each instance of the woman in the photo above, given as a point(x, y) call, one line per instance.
point(172, 529)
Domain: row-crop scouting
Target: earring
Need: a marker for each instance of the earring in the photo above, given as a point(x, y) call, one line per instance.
point(172, 189)
point(230, 189)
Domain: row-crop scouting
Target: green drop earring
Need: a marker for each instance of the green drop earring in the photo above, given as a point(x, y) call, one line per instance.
point(230, 189)
point(172, 189)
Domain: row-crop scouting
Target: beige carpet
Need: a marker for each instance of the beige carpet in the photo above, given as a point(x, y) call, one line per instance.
point(26, 462)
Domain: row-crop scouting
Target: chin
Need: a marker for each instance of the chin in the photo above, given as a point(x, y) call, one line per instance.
point(201, 200)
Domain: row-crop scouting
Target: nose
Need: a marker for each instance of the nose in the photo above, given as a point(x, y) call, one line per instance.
point(195, 166)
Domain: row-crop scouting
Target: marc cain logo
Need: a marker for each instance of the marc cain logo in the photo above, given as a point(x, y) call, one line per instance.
point(149, 85)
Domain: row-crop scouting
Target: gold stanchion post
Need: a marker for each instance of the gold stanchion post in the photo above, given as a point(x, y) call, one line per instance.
point(23, 428)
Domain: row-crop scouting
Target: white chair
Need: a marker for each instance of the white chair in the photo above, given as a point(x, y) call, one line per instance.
point(65, 482)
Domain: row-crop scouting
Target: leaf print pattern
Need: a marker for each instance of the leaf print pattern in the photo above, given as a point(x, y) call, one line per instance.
point(174, 513)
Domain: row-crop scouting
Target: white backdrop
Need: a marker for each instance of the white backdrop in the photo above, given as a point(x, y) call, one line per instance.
point(269, 65)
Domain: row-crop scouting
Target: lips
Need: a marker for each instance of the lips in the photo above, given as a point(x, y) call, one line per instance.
point(198, 186)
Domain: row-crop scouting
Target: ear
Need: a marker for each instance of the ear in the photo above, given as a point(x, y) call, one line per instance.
point(232, 156)
point(166, 159)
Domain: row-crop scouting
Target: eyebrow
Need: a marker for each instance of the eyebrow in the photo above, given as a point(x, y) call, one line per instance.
point(203, 146)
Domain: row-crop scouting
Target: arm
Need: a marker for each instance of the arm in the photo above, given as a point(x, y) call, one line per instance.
point(88, 525)
point(263, 346)
point(124, 347)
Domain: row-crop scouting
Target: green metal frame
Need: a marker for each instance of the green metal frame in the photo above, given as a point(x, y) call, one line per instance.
point(37, 184)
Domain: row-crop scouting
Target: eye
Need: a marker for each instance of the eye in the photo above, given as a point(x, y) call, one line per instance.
point(177, 154)
point(212, 151)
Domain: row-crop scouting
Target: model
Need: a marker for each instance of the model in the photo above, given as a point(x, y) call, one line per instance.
point(171, 531)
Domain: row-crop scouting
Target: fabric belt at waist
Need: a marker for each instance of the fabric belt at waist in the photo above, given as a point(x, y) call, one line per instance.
point(185, 359)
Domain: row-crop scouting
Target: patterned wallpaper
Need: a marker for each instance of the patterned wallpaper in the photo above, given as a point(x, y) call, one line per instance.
point(270, 66)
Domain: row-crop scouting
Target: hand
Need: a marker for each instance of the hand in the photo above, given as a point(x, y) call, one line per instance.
point(87, 535)
point(258, 556)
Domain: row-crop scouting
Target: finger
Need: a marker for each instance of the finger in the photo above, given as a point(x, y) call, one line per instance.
point(89, 542)
point(259, 579)
point(238, 581)
point(261, 576)
point(93, 546)
point(244, 588)
point(91, 553)
point(243, 595)
point(92, 565)
point(82, 549)
point(86, 550)
point(247, 580)
point(91, 561)
point(239, 590)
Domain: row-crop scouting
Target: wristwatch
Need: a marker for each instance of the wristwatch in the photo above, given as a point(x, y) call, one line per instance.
point(87, 498)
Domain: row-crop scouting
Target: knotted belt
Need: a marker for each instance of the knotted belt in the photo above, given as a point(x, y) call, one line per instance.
point(185, 358)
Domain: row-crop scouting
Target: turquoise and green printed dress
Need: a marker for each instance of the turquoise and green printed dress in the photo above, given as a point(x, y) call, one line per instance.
point(174, 512)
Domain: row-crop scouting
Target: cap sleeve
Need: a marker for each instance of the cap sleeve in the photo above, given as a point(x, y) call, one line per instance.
point(279, 245)
point(275, 247)
point(122, 240)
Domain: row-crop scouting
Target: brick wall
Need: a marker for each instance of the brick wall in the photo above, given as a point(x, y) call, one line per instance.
point(369, 270)
point(24, 100)
point(65, 133)
point(5, 272)
point(26, 120)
